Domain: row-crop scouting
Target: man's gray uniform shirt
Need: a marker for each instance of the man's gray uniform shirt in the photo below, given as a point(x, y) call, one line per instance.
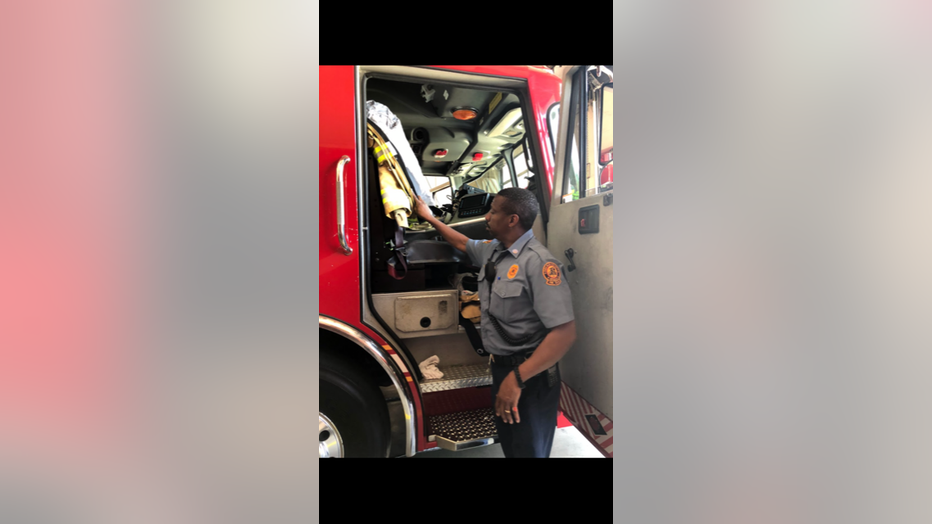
point(529, 293)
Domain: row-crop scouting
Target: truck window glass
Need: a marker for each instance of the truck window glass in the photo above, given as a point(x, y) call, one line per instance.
point(598, 179)
point(490, 181)
point(506, 175)
point(441, 189)
point(571, 182)
point(521, 168)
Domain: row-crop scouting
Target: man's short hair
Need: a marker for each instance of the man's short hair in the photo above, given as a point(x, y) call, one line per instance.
point(521, 202)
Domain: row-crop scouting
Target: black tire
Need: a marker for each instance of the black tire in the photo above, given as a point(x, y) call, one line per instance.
point(355, 406)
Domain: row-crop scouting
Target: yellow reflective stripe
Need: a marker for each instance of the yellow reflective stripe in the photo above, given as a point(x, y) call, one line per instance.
point(383, 148)
point(381, 158)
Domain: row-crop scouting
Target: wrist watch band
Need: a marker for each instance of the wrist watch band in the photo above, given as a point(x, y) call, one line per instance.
point(518, 377)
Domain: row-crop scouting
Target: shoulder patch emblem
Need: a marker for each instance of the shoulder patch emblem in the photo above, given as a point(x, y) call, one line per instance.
point(513, 272)
point(487, 242)
point(552, 274)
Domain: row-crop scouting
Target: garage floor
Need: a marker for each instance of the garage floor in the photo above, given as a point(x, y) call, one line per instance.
point(567, 443)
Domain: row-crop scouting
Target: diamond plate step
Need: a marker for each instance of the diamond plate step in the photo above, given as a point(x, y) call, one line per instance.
point(459, 377)
point(465, 430)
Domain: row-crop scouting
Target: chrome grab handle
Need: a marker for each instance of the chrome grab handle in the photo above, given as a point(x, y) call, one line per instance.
point(341, 221)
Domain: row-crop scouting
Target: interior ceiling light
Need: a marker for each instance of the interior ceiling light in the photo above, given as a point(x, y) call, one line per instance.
point(465, 114)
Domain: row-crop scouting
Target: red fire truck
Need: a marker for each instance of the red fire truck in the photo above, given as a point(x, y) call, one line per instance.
point(392, 291)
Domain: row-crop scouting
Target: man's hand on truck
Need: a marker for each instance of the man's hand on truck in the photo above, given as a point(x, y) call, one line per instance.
point(457, 239)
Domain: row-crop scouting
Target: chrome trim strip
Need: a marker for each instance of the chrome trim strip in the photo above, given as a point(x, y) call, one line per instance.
point(388, 364)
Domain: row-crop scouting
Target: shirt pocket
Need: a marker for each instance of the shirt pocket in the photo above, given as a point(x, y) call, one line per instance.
point(511, 302)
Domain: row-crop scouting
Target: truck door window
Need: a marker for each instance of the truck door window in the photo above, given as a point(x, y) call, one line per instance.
point(521, 167)
point(490, 181)
point(441, 189)
point(571, 183)
point(506, 176)
point(591, 116)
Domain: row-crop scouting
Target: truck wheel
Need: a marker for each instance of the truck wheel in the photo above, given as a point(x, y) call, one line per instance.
point(353, 418)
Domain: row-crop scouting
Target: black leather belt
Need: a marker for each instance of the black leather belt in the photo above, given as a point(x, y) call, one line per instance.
point(512, 360)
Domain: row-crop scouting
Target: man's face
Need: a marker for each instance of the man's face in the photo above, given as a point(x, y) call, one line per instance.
point(498, 220)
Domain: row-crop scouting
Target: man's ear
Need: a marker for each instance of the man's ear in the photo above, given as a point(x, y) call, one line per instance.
point(514, 220)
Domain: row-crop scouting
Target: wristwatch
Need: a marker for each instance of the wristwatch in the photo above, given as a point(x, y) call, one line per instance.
point(518, 377)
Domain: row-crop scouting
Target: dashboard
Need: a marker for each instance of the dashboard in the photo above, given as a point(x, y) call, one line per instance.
point(475, 205)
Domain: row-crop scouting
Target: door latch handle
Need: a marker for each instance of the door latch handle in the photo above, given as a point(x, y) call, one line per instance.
point(341, 219)
point(569, 254)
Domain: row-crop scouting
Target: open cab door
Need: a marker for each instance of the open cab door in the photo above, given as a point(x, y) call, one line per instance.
point(580, 232)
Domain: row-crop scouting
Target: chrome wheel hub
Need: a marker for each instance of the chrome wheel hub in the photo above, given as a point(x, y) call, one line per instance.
point(331, 445)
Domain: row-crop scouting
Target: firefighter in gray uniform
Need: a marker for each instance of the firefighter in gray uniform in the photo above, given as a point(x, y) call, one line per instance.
point(527, 320)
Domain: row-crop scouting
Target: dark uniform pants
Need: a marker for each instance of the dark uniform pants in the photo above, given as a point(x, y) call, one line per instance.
point(537, 407)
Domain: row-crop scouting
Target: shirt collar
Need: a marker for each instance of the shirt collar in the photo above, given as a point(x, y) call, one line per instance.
point(519, 244)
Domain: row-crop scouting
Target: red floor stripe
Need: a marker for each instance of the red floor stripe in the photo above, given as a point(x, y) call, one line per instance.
point(562, 422)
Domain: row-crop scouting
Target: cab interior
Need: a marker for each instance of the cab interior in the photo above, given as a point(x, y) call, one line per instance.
point(447, 127)
point(465, 159)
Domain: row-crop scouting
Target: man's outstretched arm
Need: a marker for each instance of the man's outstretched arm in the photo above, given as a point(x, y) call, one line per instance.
point(457, 239)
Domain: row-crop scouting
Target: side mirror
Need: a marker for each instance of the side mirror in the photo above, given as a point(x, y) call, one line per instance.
point(605, 126)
